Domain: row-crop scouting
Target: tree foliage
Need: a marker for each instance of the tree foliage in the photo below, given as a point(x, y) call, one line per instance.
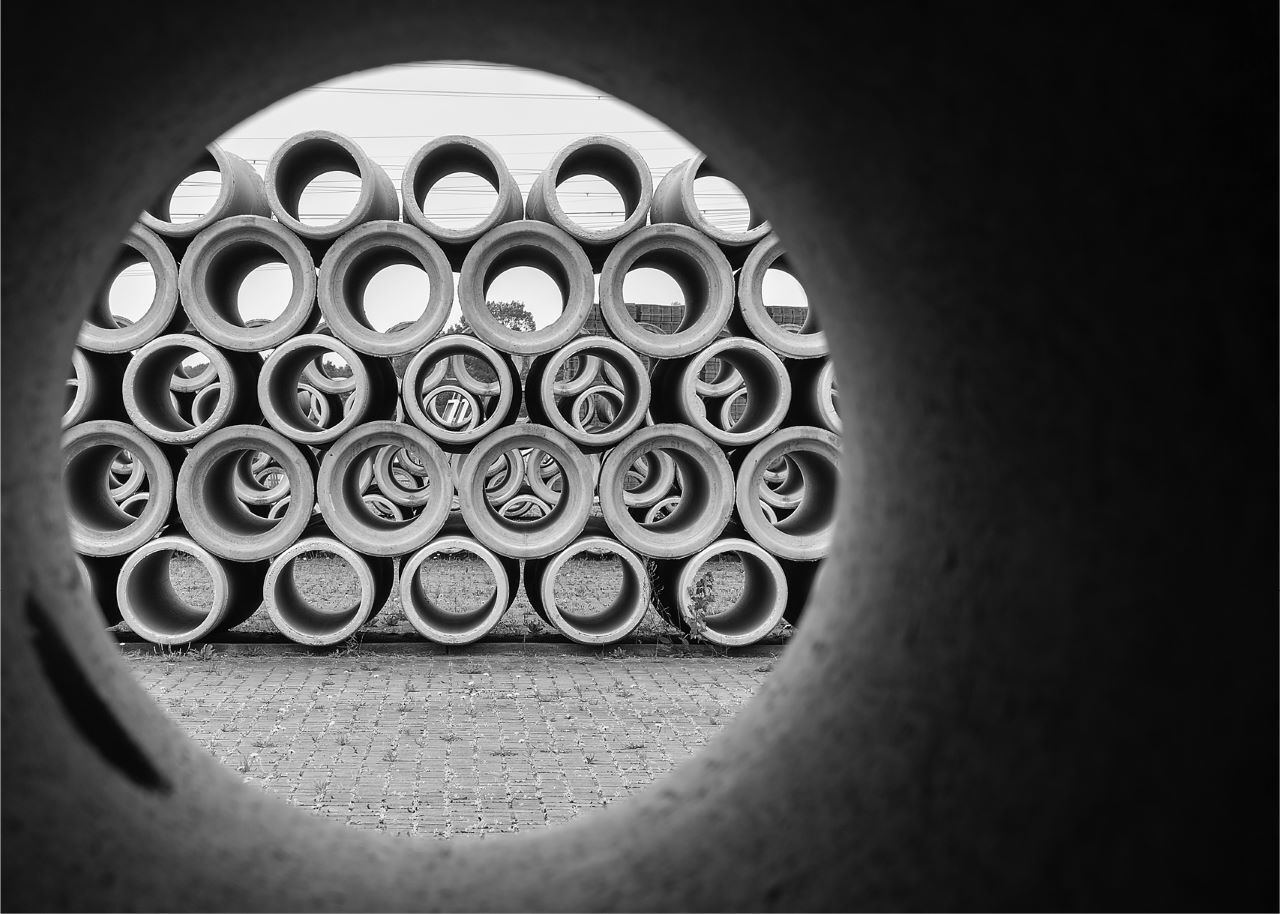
point(511, 313)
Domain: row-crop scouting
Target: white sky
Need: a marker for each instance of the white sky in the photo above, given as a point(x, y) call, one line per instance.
point(391, 112)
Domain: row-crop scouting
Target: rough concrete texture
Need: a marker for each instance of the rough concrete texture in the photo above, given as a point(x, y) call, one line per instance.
point(438, 745)
point(1039, 669)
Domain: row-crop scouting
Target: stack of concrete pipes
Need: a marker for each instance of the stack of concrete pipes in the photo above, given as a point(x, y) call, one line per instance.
point(665, 449)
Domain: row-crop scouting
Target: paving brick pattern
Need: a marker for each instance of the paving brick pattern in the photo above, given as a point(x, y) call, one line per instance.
point(449, 744)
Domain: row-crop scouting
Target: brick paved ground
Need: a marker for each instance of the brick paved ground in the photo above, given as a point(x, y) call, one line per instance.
point(430, 743)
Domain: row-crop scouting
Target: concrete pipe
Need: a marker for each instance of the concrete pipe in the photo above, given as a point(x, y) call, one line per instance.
point(718, 379)
point(527, 243)
point(503, 479)
point(804, 534)
point(102, 332)
point(457, 364)
point(525, 507)
point(94, 388)
point(373, 399)
point(498, 411)
point(98, 525)
point(217, 263)
point(783, 490)
point(533, 539)
point(220, 521)
point(135, 503)
point(753, 316)
point(609, 623)
point(562, 412)
point(126, 477)
point(606, 157)
point(706, 497)
point(303, 158)
point(657, 511)
point(305, 620)
point(153, 608)
point(352, 263)
point(386, 509)
point(452, 407)
point(698, 267)
point(402, 483)
point(277, 509)
point(674, 201)
point(757, 610)
point(579, 374)
point(150, 402)
point(654, 475)
point(355, 522)
point(99, 574)
point(240, 193)
point(440, 620)
point(258, 479)
point(598, 407)
point(316, 375)
point(545, 478)
point(765, 379)
point(813, 394)
point(448, 155)
point(1001, 696)
point(182, 383)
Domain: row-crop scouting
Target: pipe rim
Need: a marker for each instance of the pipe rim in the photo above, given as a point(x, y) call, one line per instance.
point(568, 516)
point(81, 378)
point(618, 157)
point(425, 616)
point(145, 395)
point(508, 207)
point(209, 521)
point(159, 315)
point(281, 379)
point(816, 451)
point(545, 247)
point(765, 586)
point(760, 367)
point(769, 254)
point(284, 611)
point(707, 485)
point(629, 370)
point(344, 509)
point(355, 258)
point(705, 278)
point(374, 183)
point(113, 532)
point(238, 178)
point(700, 167)
point(616, 621)
point(416, 373)
point(143, 558)
point(229, 244)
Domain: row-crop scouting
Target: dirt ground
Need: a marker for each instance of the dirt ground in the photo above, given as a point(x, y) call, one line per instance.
point(586, 583)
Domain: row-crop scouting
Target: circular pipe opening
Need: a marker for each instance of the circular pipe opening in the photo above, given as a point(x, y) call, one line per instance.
point(698, 267)
point(450, 613)
point(706, 492)
point(98, 525)
point(429, 369)
point(216, 266)
point(355, 521)
point(532, 538)
point(552, 587)
point(207, 494)
point(545, 248)
point(290, 407)
point(361, 256)
point(321, 592)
